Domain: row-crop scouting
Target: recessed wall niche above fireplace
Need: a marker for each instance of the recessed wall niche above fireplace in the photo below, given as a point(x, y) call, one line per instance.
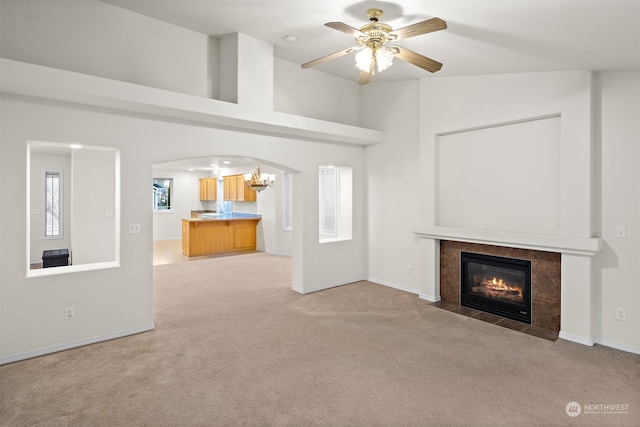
point(497, 285)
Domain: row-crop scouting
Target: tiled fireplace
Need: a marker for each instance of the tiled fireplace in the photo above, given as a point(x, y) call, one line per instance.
point(543, 295)
point(561, 275)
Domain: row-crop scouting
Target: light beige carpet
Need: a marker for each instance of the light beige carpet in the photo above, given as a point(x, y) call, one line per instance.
point(235, 346)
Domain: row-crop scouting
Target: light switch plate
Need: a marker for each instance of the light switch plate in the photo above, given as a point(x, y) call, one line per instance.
point(621, 232)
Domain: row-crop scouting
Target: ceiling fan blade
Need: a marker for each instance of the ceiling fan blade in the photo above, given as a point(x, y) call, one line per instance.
point(428, 26)
point(328, 57)
point(365, 77)
point(347, 29)
point(417, 59)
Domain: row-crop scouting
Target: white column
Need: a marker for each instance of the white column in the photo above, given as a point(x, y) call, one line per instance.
point(430, 271)
point(576, 307)
point(255, 73)
point(246, 74)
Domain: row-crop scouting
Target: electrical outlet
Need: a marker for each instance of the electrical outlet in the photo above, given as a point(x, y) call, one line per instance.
point(410, 269)
point(339, 264)
point(621, 314)
point(134, 228)
point(69, 313)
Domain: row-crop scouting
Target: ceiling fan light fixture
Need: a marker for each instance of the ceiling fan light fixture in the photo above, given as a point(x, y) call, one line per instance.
point(383, 55)
point(363, 59)
point(384, 59)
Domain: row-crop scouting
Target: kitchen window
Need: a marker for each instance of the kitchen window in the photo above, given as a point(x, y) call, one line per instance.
point(162, 194)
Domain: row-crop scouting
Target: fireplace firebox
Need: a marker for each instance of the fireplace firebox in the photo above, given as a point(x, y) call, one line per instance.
point(496, 285)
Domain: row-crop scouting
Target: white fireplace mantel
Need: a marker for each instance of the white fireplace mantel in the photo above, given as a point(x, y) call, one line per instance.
point(576, 306)
point(565, 245)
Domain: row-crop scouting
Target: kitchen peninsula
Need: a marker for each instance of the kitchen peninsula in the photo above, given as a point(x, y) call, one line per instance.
point(217, 233)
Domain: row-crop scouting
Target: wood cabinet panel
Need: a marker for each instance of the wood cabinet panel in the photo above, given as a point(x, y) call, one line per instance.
point(230, 188)
point(227, 183)
point(245, 237)
point(207, 237)
point(244, 193)
point(208, 188)
point(235, 190)
point(239, 188)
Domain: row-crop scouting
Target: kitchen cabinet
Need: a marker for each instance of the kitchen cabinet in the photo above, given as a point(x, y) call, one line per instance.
point(208, 188)
point(235, 190)
point(228, 234)
point(229, 188)
point(244, 193)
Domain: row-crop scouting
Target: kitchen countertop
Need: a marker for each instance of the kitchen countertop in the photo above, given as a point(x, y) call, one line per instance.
point(223, 217)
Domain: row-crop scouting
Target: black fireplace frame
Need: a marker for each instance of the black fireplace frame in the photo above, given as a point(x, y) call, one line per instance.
point(500, 308)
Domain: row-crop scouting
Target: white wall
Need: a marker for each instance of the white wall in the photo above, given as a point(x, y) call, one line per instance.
point(501, 178)
point(460, 103)
point(109, 302)
point(396, 177)
point(93, 206)
point(393, 183)
point(314, 94)
point(255, 89)
point(118, 301)
point(228, 68)
point(457, 104)
point(617, 203)
point(103, 40)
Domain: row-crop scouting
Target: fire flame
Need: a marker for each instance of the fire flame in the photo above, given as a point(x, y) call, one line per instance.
point(498, 287)
point(498, 284)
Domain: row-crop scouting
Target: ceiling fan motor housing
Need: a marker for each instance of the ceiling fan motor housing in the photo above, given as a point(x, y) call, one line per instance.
point(377, 31)
point(374, 15)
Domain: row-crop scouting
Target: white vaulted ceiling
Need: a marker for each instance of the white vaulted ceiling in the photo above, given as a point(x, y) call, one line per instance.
point(483, 36)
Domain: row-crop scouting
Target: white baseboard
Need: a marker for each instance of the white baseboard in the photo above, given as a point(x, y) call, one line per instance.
point(74, 344)
point(393, 285)
point(429, 298)
point(575, 338)
point(326, 286)
point(618, 346)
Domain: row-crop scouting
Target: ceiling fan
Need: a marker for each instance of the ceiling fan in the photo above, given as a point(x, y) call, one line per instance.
point(372, 50)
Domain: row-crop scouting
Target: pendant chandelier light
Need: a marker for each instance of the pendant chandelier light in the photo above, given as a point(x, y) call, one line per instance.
point(258, 181)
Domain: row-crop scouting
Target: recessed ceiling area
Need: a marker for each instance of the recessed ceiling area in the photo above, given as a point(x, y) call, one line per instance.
point(209, 163)
point(482, 36)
